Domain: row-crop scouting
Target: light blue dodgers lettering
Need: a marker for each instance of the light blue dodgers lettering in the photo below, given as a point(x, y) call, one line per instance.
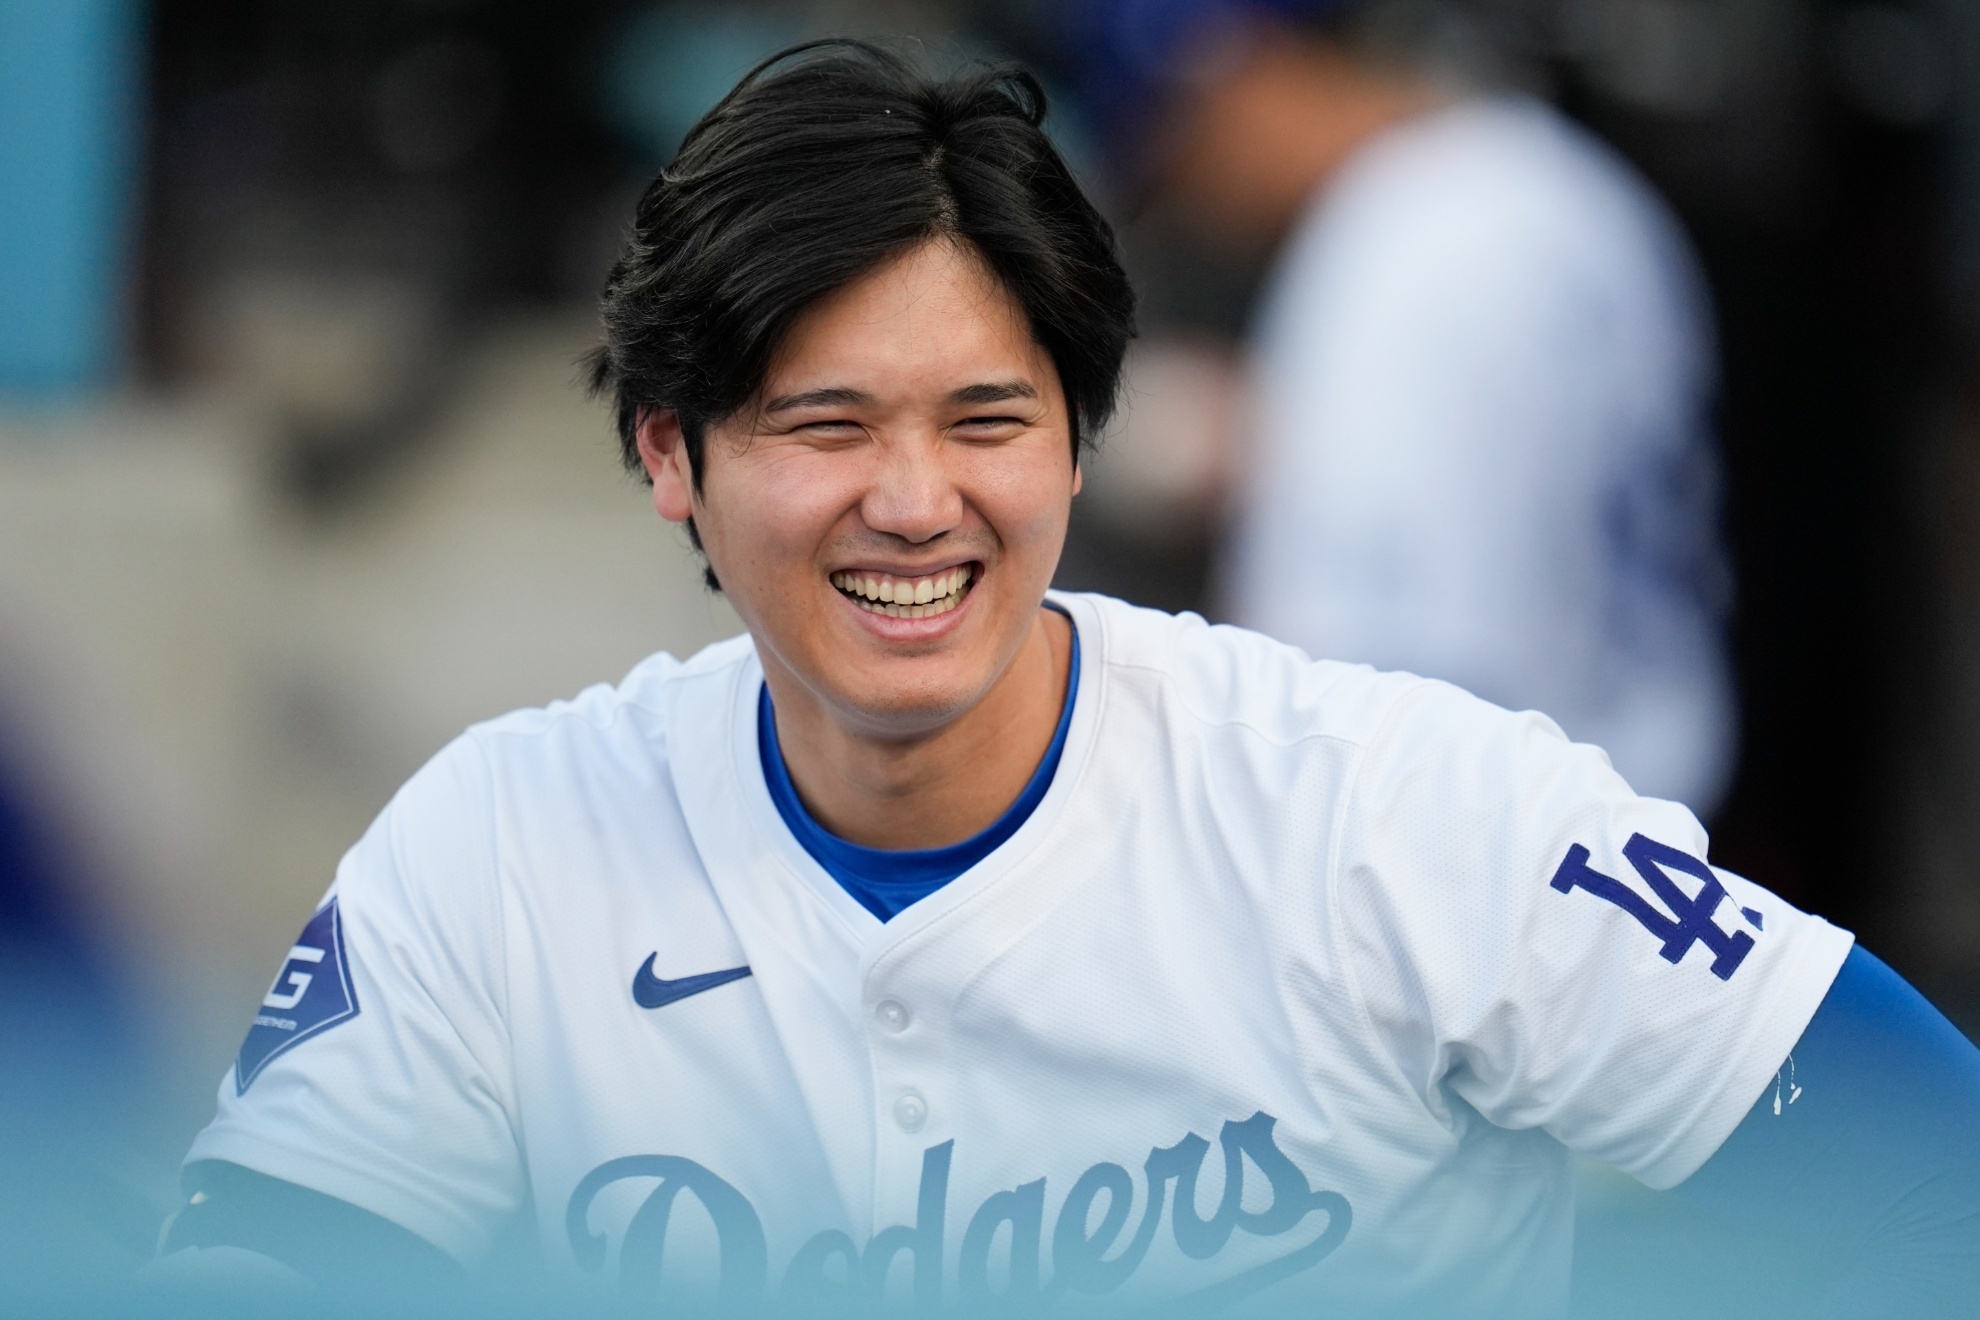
point(745, 1256)
point(831, 1270)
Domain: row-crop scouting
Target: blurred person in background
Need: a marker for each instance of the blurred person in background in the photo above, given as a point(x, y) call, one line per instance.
point(1480, 435)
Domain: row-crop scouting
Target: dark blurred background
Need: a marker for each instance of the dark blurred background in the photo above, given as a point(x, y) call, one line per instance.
point(296, 480)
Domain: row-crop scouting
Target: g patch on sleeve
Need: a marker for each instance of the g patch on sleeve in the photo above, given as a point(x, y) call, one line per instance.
point(312, 993)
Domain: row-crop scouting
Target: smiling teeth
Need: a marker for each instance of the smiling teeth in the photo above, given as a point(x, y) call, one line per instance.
point(905, 598)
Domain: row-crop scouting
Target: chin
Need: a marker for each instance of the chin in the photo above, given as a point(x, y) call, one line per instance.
point(909, 704)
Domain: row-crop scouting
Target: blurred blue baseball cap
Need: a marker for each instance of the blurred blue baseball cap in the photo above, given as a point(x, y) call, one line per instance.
point(1122, 58)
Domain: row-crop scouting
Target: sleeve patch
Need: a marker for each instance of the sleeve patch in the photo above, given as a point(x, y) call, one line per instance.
point(1690, 920)
point(311, 994)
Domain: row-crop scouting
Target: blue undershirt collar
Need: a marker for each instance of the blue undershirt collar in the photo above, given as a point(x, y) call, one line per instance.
point(884, 881)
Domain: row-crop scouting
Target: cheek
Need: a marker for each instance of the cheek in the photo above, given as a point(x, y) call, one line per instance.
point(760, 517)
point(1026, 504)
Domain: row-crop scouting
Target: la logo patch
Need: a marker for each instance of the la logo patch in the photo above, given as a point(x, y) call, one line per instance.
point(1689, 921)
point(312, 993)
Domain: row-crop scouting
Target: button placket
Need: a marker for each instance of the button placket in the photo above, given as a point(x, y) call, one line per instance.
point(911, 1111)
point(910, 1106)
point(913, 1106)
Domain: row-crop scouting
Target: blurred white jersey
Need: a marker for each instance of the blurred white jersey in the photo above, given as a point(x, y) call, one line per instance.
point(1300, 986)
point(1482, 444)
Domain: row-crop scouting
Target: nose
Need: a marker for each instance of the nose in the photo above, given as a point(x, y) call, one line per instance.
point(913, 495)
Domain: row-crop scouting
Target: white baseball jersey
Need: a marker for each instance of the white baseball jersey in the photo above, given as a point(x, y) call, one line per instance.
point(1484, 450)
point(1302, 982)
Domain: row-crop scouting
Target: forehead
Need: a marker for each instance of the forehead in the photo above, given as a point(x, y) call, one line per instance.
point(928, 316)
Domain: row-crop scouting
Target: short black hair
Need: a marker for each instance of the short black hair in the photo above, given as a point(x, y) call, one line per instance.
point(826, 160)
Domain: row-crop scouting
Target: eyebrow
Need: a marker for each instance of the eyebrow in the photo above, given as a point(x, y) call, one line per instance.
point(843, 396)
point(822, 398)
point(995, 392)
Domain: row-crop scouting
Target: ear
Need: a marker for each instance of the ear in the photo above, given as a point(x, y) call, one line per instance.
point(1079, 475)
point(663, 453)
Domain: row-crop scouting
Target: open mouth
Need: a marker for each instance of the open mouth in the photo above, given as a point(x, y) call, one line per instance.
point(907, 597)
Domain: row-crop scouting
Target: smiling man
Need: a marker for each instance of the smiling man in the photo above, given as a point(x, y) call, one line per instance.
point(886, 521)
point(950, 942)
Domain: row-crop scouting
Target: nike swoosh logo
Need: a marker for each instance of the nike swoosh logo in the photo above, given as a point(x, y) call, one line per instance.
point(650, 991)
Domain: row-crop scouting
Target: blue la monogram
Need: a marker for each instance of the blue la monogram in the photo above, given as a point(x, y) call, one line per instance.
point(830, 1269)
point(1690, 920)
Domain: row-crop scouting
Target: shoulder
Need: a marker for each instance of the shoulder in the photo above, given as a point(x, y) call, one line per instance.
point(640, 699)
point(609, 727)
point(509, 810)
point(1491, 184)
point(1238, 689)
point(569, 759)
point(1220, 677)
point(1506, 156)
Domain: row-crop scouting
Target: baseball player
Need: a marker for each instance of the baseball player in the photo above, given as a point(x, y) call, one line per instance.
point(947, 942)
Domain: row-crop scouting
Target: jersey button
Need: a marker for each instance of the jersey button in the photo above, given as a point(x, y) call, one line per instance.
point(893, 1015)
point(910, 1111)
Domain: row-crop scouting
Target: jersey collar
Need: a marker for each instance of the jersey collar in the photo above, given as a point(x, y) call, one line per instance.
point(764, 875)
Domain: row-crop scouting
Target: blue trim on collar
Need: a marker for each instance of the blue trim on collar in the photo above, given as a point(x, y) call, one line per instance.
point(886, 880)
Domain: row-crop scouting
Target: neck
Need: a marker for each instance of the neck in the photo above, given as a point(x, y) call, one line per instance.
point(936, 788)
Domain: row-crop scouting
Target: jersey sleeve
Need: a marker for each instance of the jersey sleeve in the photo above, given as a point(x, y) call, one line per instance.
point(1535, 940)
point(377, 1068)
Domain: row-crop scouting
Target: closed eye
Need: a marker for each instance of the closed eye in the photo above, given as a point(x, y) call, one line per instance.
point(831, 428)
